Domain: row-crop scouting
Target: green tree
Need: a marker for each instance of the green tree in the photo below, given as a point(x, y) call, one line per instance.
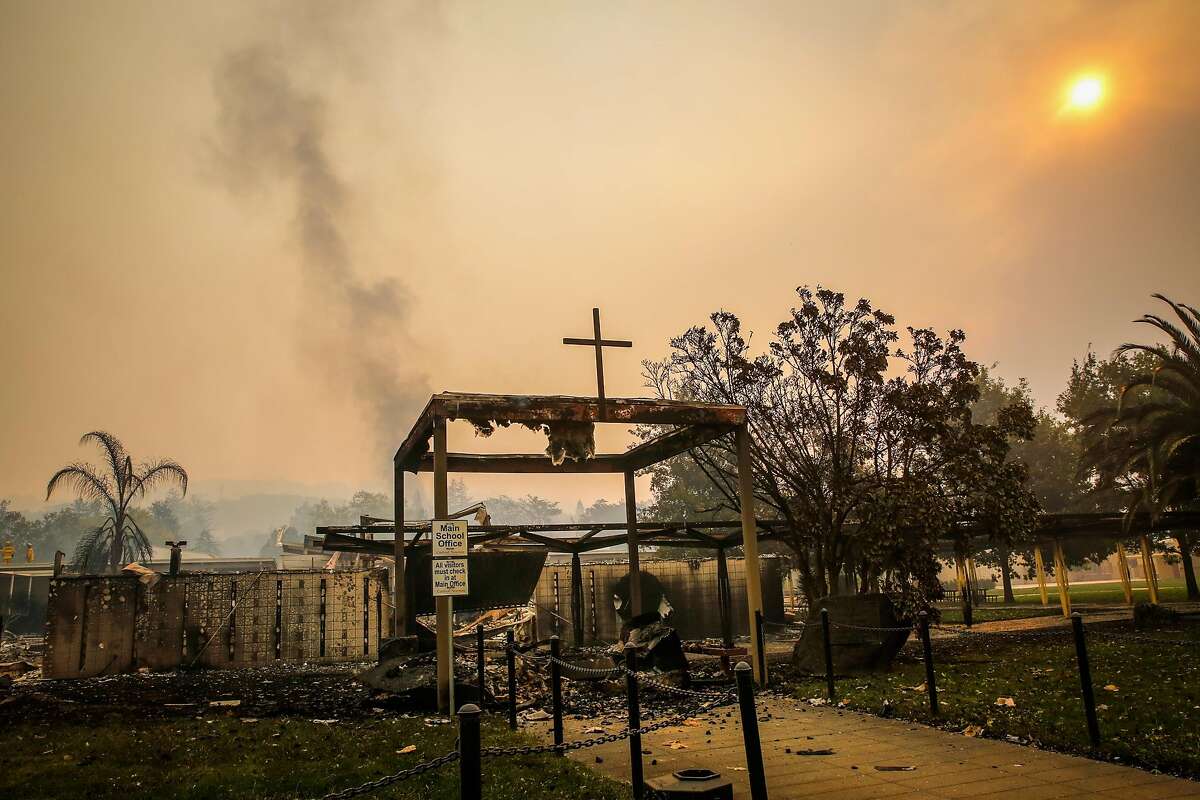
point(1051, 461)
point(1145, 442)
point(118, 539)
point(868, 452)
point(603, 511)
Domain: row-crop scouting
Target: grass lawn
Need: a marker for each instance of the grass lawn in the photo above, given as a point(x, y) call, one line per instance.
point(1150, 718)
point(952, 615)
point(227, 757)
point(1169, 591)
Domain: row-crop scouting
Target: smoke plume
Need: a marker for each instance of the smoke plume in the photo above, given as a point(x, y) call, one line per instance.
point(272, 133)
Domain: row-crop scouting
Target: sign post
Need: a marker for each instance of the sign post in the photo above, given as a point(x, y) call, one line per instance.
point(449, 551)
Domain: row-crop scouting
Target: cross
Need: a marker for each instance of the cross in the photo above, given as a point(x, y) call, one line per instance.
point(599, 343)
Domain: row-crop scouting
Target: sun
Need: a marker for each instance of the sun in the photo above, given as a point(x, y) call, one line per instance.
point(1085, 93)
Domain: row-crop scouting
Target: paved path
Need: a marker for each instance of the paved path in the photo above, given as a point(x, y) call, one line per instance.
point(944, 765)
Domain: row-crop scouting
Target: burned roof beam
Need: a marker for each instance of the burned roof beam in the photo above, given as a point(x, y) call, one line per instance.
point(680, 440)
point(513, 463)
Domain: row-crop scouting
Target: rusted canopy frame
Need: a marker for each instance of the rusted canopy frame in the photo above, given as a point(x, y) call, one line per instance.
point(348, 538)
point(698, 423)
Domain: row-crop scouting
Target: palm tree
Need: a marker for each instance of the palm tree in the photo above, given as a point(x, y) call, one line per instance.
point(1149, 442)
point(118, 540)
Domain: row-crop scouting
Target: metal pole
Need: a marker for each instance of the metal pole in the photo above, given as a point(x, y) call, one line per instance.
point(828, 652)
point(635, 569)
point(754, 762)
point(724, 598)
point(511, 657)
point(635, 721)
point(469, 762)
point(927, 646)
point(762, 644)
point(1085, 680)
point(479, 661)
point(556, 690)
point(444, 608)
point(745, 469)
point(399, 590)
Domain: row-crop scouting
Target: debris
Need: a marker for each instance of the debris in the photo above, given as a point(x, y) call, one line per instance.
point(973, 730)
point(325, 721)
point(1112, 687)
point(16, 668)
point(408, 748)
point(675, 744)
point(895, 769)
point(826, 751)
point(1007, 702)
point(224, 703)
point(594, 729)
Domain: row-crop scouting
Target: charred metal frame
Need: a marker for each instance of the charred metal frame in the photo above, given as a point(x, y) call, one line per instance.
point(690, 425)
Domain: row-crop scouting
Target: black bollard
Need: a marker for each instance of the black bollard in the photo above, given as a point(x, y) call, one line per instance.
point(470, 785)
point(927, 646)
point(479, 662)
point(511, 656)
point(754, 762)
point(1085, 680)
point(556, 690)
point(762, 644)
point(828, 652)
point(635, 722)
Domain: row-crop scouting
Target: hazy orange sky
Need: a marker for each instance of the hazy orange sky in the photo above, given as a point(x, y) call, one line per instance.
point(200, 201)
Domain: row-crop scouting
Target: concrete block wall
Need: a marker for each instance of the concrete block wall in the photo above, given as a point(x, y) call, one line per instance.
point(105, 624)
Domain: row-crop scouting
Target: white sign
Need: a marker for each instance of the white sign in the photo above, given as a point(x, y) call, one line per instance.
point(449, 577)
point(449, 538)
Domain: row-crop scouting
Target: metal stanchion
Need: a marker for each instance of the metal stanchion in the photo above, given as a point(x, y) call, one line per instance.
point(556, 689)
point(754, 762)
point(469, 762)
point(1085, 680)
point(635, 722)
point(930, 681)
point(479, 662)
point(762, 644)
point(510, 654)
point(828, 653)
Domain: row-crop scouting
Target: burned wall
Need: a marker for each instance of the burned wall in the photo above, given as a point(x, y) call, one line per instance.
point(690, 586)
point(105, 624)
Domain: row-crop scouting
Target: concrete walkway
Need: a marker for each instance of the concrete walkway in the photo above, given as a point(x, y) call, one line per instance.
point(872, 758)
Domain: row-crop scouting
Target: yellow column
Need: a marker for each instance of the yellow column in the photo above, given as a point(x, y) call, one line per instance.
point(443, 605)
point(972, 578)
point(960, 577)
point(1063, 580)
point(1039, 567)
point(750, 547)
point(1123, 570)
point(1148, 570)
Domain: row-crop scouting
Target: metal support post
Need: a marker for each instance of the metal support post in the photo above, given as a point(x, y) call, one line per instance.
point(930, 680)
point(1085, 680)
point(510, 655)
point(828, 653)
point(754, 761)
point(469, 761)
point(635, 722)
point(479, 662)
point(556, 690)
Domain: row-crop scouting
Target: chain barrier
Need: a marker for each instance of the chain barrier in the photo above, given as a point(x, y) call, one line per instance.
point(594, 672)
point(870, 628)
point(613, 672)
point(785, 625)
point(395, 777)
point(580, 744)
